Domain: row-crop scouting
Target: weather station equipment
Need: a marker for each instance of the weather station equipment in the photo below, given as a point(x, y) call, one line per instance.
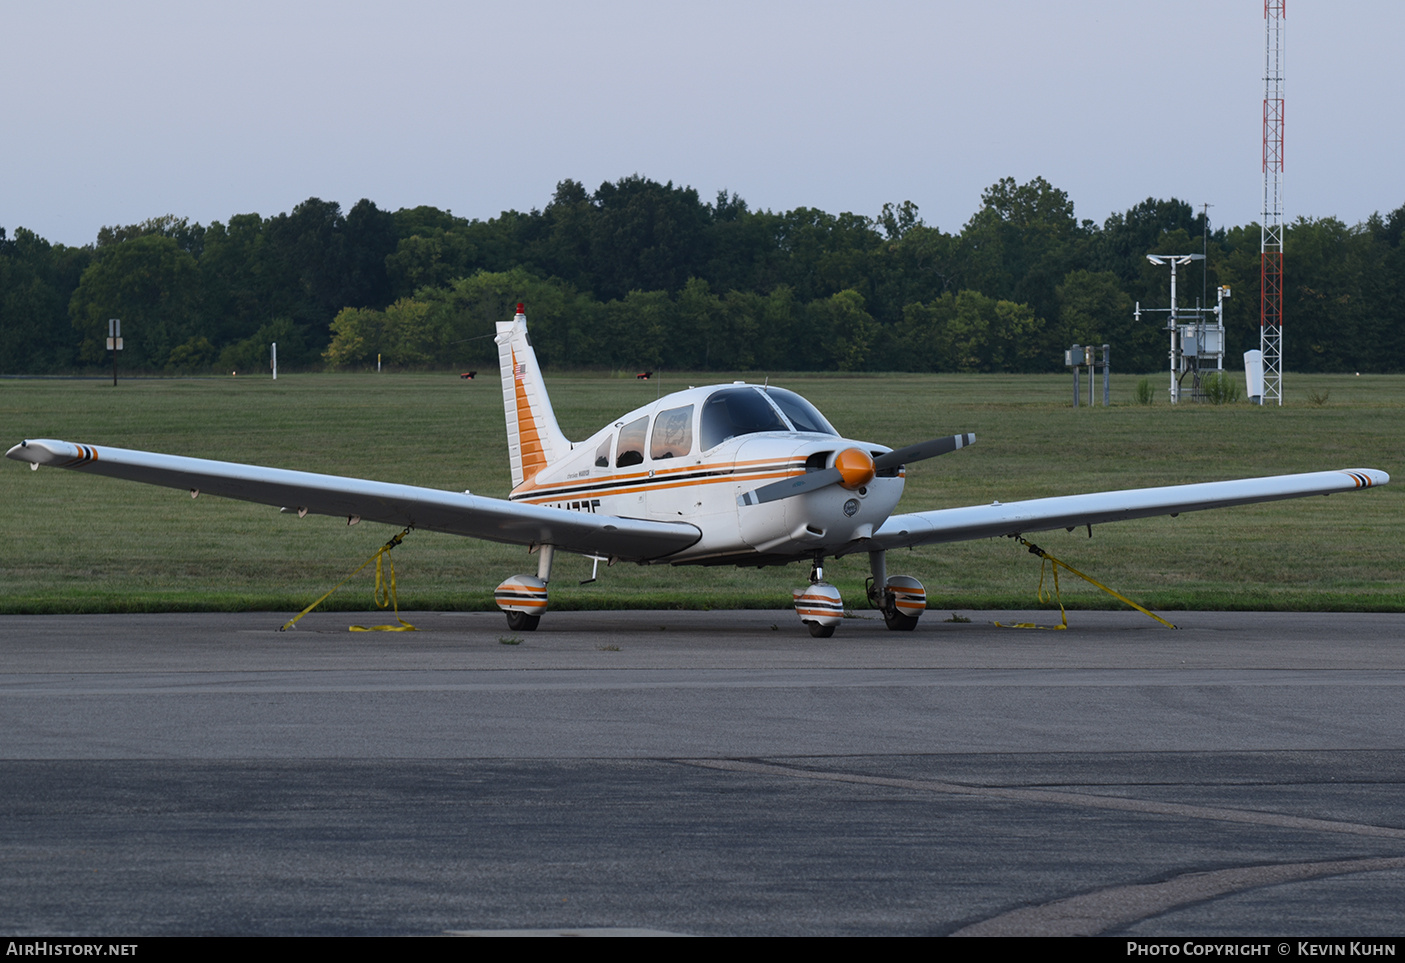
point(1197, 334)
point(1079, 355)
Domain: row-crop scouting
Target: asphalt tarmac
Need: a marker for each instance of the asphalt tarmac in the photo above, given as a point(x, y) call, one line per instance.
point(705, 773)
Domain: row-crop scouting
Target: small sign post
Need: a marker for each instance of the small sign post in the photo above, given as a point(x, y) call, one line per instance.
point(114, 343)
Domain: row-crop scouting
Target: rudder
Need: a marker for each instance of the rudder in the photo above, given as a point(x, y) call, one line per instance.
point(534, 440)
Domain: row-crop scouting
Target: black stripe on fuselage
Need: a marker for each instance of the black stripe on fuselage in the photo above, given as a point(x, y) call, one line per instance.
point(616, 485)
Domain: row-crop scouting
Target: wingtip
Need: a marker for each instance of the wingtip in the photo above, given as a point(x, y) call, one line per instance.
point(1368, 477)
point(44, 451)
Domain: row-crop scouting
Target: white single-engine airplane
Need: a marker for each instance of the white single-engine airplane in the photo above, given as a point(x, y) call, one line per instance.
point(735, 474)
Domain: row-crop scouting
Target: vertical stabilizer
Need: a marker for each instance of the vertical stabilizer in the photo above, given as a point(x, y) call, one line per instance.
point(534, 440)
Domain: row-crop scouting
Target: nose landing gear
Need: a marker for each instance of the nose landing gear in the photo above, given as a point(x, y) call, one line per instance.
point(818, 604)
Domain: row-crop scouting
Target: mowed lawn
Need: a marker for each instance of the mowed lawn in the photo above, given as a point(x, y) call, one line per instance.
point(83, 543)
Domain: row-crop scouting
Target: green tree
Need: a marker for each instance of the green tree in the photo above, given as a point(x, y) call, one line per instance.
point(1093, 309)
point(849, 332)
point(254, 352)
point(632, 333)
point(971, 332)
point(358, 335)
point(1021, 243)
point(153, 286)
point(643, 236)
point(36, 281)
point(196, 354)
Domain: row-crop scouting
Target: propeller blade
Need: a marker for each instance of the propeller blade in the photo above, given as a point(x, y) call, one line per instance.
point(787, 487)
point(812, 480)
point(923, 450)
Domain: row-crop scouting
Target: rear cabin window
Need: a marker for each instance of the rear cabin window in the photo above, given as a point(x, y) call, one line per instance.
point(602, 454)
point(736, 411)
point(631, 446)
point(673, 433)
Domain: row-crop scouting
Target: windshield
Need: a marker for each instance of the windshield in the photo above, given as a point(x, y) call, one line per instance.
point(803, 415)
point(736, 411)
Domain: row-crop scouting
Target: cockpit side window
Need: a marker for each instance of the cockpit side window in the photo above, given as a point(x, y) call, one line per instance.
point(803, 415)
point(602, 454)
point(736, 411)
point(630, 450)
point(673, 433)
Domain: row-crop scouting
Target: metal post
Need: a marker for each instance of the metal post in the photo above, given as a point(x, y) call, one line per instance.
point(1107, 364)
point(1175, 384)
point(1075, 386)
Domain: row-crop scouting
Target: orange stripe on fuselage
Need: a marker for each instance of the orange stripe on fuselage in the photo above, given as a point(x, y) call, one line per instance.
point(738, 472)
point(660, 482)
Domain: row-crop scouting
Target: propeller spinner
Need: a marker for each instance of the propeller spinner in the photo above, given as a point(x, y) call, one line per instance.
point(853, 468)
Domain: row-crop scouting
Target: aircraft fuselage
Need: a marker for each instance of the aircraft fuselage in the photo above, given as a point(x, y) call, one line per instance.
point(686, 457)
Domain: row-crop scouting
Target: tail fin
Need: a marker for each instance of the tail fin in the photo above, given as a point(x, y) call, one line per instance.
point(534, 440)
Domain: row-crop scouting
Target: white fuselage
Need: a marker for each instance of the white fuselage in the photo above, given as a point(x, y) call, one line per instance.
point(678, 460)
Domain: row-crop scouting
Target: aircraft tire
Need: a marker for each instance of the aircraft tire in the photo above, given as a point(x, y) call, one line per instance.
point(522, 622)
point(894, 619)
point(900, 623)
point(820, 631)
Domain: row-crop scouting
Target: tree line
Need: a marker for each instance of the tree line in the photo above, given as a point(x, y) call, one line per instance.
point(638, 274)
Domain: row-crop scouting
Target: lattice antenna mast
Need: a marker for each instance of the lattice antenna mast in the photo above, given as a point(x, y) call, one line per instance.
point(1271, 240)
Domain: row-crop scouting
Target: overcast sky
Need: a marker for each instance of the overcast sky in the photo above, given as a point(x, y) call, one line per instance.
point(112, 113)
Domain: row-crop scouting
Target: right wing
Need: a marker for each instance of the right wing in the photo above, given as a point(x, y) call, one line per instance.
point(1097, 508)
point(431, 509)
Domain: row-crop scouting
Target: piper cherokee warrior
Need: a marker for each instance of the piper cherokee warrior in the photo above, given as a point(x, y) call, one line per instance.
point(736, 474)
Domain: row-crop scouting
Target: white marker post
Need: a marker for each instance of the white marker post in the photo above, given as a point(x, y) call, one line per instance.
point(274, 361)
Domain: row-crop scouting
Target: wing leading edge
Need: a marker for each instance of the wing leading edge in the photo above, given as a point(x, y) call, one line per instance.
point(1097, 508)
point(430, 509)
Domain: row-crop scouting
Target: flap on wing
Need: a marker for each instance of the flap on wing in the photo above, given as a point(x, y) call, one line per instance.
point(1097, 508)
point(430, 509)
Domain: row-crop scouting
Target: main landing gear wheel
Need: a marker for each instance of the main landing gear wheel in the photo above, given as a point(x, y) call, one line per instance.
point(523, 600)
point(894, 619)
point(522, 622)
point(901, 598)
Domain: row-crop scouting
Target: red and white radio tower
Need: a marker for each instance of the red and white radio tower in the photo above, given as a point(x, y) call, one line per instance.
point(1271, 240)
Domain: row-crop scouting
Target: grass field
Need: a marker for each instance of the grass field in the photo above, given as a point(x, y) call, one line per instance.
point(79, 543)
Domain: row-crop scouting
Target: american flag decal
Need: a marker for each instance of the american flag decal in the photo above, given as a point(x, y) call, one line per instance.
point(519, 370)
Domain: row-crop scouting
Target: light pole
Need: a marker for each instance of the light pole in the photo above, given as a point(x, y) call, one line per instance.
point(1175, 260)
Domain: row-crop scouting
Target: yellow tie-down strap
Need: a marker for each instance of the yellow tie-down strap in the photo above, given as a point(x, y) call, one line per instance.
point(1053, 565)
point(386, 594)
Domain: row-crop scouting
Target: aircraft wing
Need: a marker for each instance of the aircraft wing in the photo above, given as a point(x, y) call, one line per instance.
point(429, 509)
point(1097, 508)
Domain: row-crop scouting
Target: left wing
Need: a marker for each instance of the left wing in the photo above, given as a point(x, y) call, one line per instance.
point(494, 519)
point(1066, 511)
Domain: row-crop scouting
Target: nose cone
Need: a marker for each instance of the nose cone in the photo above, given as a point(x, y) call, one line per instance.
point(855, 467)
